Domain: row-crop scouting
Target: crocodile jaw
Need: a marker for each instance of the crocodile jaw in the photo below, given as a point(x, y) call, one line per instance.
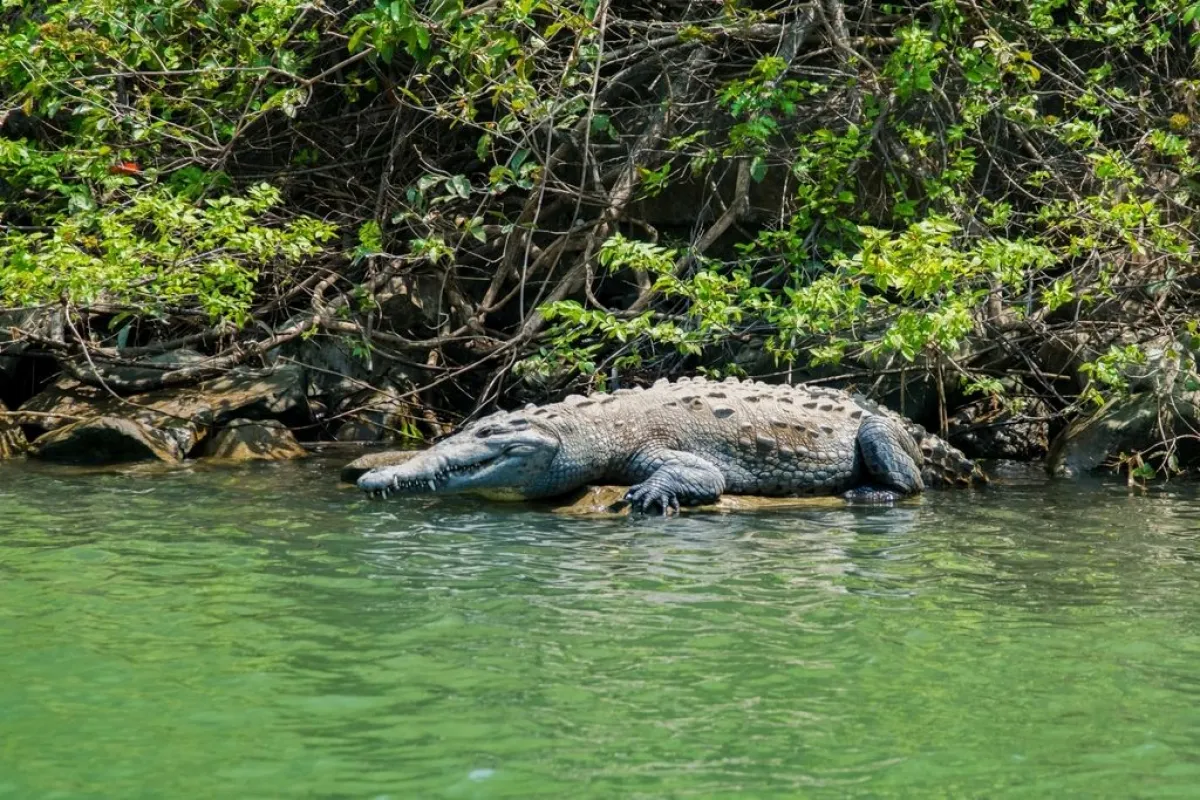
point(504, 465)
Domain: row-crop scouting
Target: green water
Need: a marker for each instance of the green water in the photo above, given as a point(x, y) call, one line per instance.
point(261, 632)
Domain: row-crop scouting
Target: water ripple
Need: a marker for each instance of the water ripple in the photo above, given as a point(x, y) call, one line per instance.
point(263, 632)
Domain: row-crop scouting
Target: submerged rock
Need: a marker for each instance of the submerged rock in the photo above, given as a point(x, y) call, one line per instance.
point(389, 458)
point(107, 440)
point(610, 501)
point(255, 440)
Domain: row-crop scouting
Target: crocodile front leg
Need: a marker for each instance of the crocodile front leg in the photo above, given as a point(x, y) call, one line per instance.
point(675, 478)
point(892, 460)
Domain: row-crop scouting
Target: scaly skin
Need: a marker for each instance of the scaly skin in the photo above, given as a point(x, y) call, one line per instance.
point(686, 443)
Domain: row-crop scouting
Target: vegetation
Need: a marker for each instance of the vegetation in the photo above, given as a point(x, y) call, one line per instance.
point(1001, 197)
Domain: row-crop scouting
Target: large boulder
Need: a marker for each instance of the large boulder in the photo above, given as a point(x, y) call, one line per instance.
point(910, 388)
point(180, 417)
point(1160, 418)
point(151, 367)
point(1064, 353)
point(107, 440)
point(1140, 424)
point(257, 394)
point(1166, 360)
point(254, 440)
point(333, 368)
point(251, 394)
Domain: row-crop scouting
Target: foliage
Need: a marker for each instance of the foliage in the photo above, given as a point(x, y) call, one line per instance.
point(903, 295)
point(916, 270)
point(158, 253)
point(939, 186)
point(103, 207)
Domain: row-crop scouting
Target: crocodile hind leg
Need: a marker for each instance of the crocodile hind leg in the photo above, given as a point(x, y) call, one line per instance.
point(891, 459)
point(675, 478)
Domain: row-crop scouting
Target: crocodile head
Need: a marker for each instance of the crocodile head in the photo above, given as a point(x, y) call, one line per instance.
point(503, 456)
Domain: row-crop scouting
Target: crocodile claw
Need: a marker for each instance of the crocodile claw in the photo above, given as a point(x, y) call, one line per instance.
point(645, 497)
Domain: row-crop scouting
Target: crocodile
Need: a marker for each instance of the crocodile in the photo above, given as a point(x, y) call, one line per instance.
point(686, 443)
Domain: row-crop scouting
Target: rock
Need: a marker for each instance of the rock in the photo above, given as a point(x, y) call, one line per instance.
point(253, 394)
point(693, 200)
point(375, 416)
point(1166, 359)
point(407, 298)
point(12, 439)
point(258, 394)
point(388, 458)
point(1137, 424)
point(106, 440)
point(912, 394)
point(254, 440)
point(179, 418)
point(332, 368)
point(154, 366)
point(1063, 354)
point(609, 501)
point(1170, 363)
point(64, 402)
point(752, 358)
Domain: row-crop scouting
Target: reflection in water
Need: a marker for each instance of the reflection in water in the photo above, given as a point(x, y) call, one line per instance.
point(264, 632)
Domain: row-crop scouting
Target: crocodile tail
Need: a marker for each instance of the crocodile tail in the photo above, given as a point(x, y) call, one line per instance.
point(944, 464)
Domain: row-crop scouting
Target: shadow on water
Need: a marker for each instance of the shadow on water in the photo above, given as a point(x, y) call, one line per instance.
point(261, 631)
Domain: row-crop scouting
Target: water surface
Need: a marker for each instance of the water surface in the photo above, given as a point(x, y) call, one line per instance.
point(263, 632)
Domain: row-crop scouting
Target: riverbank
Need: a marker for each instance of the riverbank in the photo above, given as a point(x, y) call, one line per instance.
point(272, 413)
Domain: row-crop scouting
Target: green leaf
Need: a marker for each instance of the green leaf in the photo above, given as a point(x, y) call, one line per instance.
point(460, 186)
point(357, 37)
point(758, 169)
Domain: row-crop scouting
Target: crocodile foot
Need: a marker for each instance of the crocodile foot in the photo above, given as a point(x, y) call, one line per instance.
point(873, 495)
point(645, 496)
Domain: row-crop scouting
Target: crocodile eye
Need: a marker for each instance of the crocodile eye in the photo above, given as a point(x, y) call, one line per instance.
point(484, 433)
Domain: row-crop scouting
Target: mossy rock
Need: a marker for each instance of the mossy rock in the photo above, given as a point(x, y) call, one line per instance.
point(107, 440)
point(1122, 427)
point(254, 440)
point(242, 393)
